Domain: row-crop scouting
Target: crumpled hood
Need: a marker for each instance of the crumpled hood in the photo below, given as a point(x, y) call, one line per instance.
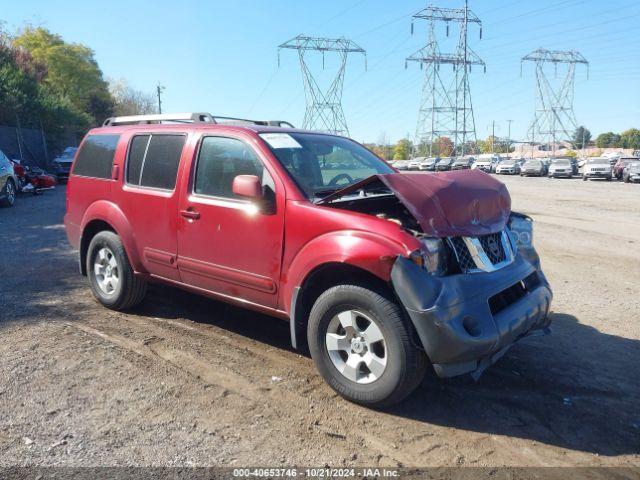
point(449, 204)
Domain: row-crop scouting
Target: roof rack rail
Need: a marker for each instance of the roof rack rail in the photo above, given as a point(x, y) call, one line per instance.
point(198, 117)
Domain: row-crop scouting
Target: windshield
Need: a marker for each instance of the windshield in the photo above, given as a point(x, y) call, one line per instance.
point(560, 161)
point(532, 163)
point(593, 161)
point(322, 164)
point(508, 162)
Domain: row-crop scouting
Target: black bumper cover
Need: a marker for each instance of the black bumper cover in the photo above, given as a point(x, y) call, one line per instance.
point(454, 320)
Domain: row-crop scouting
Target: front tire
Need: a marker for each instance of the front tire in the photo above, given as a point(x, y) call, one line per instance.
point(8, 194)
point(112, 280)
point(363, 346)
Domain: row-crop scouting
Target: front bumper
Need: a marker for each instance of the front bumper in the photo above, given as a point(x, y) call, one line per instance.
point(597, 174)
point(461, 330)
point(561, 174)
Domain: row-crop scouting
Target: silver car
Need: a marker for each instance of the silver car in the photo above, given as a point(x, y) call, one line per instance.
point(8, 182)
point(597, 167)
point(560, 167)
point(428, 164)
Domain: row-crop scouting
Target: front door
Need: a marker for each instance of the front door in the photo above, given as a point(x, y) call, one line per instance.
point(227, 244)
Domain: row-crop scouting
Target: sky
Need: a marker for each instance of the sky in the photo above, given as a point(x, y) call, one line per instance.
point(221, 56)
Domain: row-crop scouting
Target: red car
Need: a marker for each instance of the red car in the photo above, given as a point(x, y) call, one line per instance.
point(378, 273)
point(621, 164)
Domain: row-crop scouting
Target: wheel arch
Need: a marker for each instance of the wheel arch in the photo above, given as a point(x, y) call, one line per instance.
point(320, 279)
point(101, 216)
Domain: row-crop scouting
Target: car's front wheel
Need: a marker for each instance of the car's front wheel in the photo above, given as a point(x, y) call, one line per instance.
point(8, 194)
point(111, 276)
point(363, 346)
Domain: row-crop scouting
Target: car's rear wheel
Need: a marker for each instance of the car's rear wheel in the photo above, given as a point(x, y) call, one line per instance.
point(111, 276)
point(8, 194)
point(363, 346)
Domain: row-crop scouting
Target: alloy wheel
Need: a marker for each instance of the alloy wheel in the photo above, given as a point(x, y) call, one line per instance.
point(356, 346)
point(106, 270)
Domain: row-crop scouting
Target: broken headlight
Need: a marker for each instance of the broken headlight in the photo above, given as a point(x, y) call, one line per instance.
point(521, 230)
point(432, 256)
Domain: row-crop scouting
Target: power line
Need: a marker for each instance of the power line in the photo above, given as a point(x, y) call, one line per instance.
point(324, 106)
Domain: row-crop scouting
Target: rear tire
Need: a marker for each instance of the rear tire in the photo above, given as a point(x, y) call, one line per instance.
point(8, 194)
point(375, 362)
point(112, 280)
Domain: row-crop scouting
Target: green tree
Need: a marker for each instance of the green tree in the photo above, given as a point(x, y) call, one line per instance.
point(402, 149)
point(630, 138)
point(608, 139)
point(24, 99)
point(581, 137)
point(72, 71)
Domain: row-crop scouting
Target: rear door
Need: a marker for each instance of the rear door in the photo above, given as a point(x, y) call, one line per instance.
point(149, 198)
point(226, 244)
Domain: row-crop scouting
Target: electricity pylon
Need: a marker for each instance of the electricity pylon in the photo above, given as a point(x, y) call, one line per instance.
point(324, 106)
point(554, 117)
point(446, 108)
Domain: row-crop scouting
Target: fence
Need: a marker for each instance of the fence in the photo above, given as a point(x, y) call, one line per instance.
point(33, 147)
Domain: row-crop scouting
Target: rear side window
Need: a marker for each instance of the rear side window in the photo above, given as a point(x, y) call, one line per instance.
point(95, 158)
point(153, 160)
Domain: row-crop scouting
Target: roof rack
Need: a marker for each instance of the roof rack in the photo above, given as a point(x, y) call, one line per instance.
point(197, 117)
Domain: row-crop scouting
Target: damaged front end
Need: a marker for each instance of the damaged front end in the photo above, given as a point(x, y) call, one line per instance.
point(475, 285)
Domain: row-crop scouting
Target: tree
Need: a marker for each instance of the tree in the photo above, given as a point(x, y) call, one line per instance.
point(570, 153)
point(608, 140)
point(495, 145)
point(72, 71)
point(443, 146)
point(24, 99)
point(128, 101)
point(402, 149)
point(630, 138)
point(581, 137)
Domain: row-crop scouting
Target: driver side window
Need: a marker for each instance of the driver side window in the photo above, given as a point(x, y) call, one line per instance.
point(220, 160)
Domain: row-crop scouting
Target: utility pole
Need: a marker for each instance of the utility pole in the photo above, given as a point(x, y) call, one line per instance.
point(159, 89)
point(324, 106)
point(493, 136)
point(446, 108)
point(509, 138)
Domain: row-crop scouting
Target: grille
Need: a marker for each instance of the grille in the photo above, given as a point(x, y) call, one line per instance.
point(598, 169)
point(492, 245)
point(465, 261)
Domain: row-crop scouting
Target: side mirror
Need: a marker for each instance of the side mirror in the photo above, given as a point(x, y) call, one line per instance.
point(248, 186)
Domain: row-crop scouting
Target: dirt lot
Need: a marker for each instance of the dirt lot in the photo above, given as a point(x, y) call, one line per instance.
point(184, 380)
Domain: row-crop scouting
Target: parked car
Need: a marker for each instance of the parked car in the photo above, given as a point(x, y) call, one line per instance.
point(381, 274)
point(560, 167)
point(462, 163)
point(444, 164)
point(401, 164)
point(62, 163)
point(533, 167)
point(508, 166)
point(428, 164)
point(631, 172)
point(8, 181)
point(486, 163)
point(597, 167)
point(621, 164)
point(414, 164)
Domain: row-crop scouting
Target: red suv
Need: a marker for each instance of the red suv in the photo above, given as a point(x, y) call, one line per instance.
point(378, 273)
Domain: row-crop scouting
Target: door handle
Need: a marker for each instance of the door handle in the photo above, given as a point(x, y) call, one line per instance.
point(190, 214)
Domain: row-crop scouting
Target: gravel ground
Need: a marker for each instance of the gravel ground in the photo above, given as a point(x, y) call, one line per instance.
point(183, 380)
